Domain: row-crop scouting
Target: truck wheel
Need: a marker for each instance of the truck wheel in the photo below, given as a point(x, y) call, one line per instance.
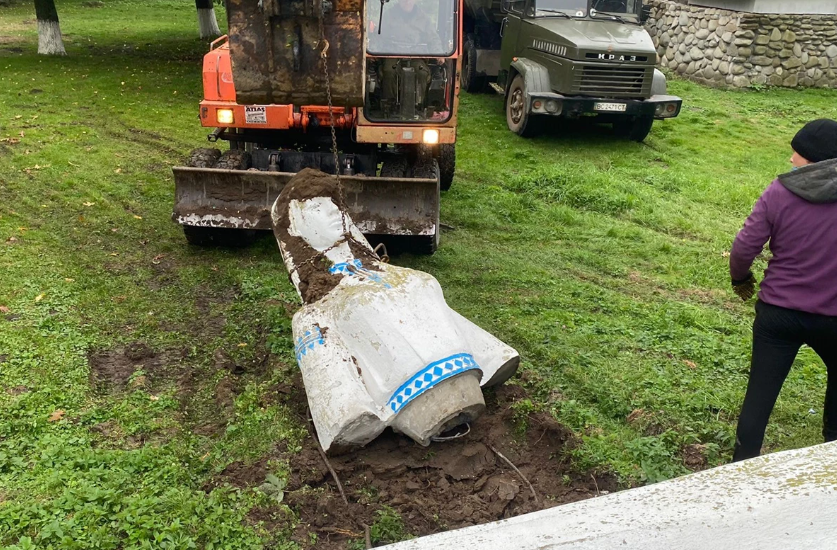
point(447, 165)
point(520, 121)
point(470, 81)
point(234, 159)
point(634, 128)
point(203, 157)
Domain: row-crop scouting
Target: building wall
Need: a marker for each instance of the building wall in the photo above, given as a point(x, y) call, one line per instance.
point(740, 49)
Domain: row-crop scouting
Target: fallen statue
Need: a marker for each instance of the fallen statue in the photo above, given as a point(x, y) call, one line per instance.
point(377, 344)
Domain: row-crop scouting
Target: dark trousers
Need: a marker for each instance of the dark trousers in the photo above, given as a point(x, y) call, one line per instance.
point(778, 333)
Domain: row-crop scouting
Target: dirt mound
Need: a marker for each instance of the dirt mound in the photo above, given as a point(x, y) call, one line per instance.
point(447, 485)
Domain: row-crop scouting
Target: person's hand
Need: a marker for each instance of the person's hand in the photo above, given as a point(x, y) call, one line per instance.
point(745, 288)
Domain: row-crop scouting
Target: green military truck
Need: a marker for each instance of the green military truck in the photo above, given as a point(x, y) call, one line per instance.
point(566, 58)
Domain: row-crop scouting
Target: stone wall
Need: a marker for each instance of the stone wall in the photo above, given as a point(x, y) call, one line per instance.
point(739, 49)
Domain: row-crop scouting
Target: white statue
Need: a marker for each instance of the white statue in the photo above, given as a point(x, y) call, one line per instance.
point(377, 344)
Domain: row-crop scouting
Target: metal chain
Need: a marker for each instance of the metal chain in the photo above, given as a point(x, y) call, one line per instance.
point(341, 197)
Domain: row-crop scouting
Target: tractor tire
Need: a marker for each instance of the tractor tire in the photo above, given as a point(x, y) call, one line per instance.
point(395, 168)
point(219, 236)
point(234, 159)
point(518, 118)
point(469, 80)
point(447, 165)
point(634, 128)
point(203, 157)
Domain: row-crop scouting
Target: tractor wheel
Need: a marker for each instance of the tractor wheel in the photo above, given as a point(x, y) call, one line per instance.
point(219, 236)
point(634, 128)
point(394, 168)
point(447, 165)
point(234, 159)
point(469, 80)
point(203, 158)
point(518, 118)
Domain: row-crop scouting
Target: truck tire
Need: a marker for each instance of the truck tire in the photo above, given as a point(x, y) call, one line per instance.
point(470, 81)
point(518, 118)
point(234, 159)
point(218, 236)
point(447, 165)
point(634, 128)
point(203, 157)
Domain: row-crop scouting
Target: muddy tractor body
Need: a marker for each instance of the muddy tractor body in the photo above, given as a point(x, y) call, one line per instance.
point(335, 85)
point(566, 59)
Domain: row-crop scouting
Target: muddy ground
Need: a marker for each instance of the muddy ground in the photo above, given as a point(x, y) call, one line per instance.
point(447, 485)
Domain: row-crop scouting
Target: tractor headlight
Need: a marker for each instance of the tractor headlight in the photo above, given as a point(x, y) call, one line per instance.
point(224, 116)
point(430, 137)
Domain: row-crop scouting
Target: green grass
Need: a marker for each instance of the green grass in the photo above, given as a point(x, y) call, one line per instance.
point(601, 261)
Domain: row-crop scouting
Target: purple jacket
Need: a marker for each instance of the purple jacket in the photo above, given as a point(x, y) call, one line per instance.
point(798, 214)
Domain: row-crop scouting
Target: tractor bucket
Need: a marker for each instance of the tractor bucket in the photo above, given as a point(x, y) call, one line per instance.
point(242, 199)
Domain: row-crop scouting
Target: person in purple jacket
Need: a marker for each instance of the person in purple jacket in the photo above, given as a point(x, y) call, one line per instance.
point(797, 301)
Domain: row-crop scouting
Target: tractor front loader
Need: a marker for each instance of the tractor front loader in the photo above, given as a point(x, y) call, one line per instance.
point(334, 85)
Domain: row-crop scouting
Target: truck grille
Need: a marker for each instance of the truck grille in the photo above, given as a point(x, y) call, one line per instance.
point(610, 81)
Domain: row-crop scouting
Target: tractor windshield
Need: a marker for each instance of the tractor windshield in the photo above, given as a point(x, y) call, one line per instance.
point(411, 27)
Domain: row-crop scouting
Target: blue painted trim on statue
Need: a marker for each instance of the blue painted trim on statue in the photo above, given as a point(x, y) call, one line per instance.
point(429, 376)
point(355, 267)
point(306, 343)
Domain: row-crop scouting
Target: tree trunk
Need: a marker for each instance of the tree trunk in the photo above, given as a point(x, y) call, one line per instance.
point(49, 32)
point(207, 23)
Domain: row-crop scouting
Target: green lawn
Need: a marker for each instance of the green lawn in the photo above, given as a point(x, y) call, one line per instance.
point(602, 261)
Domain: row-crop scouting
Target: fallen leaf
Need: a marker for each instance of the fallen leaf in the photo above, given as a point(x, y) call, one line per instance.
point(214, 268)
point(88, 203)
point(11, 240)
point(118, 171)
point(242, 345)
point(4, 309)
point(39, 297)
point(154, 397)
point(114, 253)
point(156, 259)
point(69, 280)
point(690, 364)
point(57, 415)
point(18, 117)
point(72, 163)
point(137, 217)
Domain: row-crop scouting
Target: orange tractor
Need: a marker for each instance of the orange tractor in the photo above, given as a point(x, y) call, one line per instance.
point(364, 88)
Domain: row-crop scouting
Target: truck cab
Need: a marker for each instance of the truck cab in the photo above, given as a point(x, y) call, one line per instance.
point(567, 58)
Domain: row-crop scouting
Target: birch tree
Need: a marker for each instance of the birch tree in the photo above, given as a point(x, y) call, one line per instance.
point(49, 32)
point(207, 22)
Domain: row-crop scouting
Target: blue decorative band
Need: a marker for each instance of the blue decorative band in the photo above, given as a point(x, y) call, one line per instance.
point(429, 376)
point(304, 344)
point(355, 268)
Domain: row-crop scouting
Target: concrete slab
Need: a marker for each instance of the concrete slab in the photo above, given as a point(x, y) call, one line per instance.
point(779, 501)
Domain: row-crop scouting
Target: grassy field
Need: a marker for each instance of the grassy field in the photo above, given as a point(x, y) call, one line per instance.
point(602, 261)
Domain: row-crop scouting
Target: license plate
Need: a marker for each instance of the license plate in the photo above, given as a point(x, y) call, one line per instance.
point(620, 107)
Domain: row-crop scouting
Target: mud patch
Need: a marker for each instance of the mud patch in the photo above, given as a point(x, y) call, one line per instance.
point(111, 370)
point(445, 486)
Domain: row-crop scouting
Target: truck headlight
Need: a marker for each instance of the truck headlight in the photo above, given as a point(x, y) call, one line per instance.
point(665, 110)
point(224, 116)
point(552, 106)
point(430, 137)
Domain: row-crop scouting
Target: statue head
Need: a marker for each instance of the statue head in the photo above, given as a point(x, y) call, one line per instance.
point(313, 232)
